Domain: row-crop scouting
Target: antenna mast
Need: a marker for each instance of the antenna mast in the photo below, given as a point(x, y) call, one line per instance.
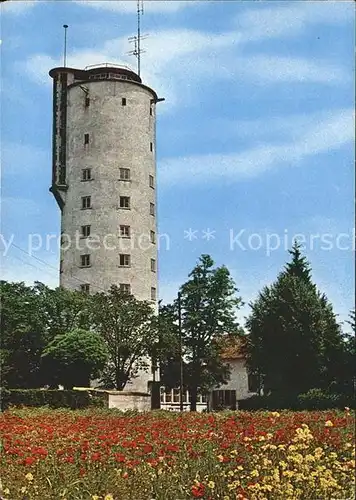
point(65, 26)
point(137, 51)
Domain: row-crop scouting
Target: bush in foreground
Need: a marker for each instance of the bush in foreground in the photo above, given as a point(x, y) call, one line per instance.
point(164, 456)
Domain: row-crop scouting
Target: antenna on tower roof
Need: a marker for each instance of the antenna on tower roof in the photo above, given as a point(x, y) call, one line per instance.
point(137, 51)
point(65, 26)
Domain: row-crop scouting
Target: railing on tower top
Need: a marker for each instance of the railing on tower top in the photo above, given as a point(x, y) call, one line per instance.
point(107, 65)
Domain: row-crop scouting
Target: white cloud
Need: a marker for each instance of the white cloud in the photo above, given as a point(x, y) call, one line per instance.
point(129, 7)
point(319, 136)
point(17, 6)
point(291, 19)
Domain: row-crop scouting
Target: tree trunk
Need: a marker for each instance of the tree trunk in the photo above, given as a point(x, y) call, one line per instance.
point(193, 398)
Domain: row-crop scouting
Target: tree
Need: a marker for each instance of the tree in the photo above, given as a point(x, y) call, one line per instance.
point(23, 337)
point(294, 342)
point(74, 358)
point(65, 310)
point(31, 317)
point(128, 327)
point(208, 306)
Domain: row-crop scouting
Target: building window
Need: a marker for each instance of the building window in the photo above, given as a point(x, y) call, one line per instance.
point(169, 396)
point(152, 208)
point(85, 231)
point(125, 202)
point(176, 395)
point(123, 101)
point(85, 288)
point(86, 174)
point(125, 260)
point(151, 181)
point(151, 111)
point(125, 174)
point(86, 138)
point(85, 260)
point(153, 293)
point(153, 265)
point(125, 288)
point(87, 102)
point(125, 231)
point(224, 399)
point(151, 146)
point(86, 202)
point(162, 394)
point(61, 267)
point(153, 237)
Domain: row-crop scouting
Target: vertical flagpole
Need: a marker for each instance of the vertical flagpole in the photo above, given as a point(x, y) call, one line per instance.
point(65, 26)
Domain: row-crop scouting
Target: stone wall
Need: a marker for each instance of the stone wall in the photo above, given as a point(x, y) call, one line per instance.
point(129, 401)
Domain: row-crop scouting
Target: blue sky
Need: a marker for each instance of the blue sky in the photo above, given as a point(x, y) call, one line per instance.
point(255, 136)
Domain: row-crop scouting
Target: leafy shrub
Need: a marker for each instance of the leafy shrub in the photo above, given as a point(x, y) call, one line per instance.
point(314, 399)
point(317, 399)
point(52, 398)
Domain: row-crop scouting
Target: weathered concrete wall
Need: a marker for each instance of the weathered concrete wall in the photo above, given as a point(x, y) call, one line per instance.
point(119, 137)
point(129, 401)
point(238, 379)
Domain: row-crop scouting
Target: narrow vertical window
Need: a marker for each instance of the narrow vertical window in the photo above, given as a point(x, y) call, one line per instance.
point(86, 138)
point(125, 174)
point(151, 181)
point(152, 208)
point(125, 232)
point(85, 260)
point(87, 102)
point(86, 174)
point(124, 202)
point(86, 202)
point(153, 293)
point(85, 231)
point(123, 101)
point(125, 260)
point(151, 146)
point(153, 265)
point(153, 237)
point(125, 288)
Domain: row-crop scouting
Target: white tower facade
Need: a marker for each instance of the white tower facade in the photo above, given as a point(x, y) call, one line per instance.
point(104, 181)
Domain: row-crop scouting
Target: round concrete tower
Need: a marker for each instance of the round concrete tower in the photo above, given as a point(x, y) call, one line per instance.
point(104, 179)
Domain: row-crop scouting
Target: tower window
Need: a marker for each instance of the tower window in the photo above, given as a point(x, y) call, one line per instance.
point(153, 265)
point(125, 202)
point(152, 208)
point(125, 288)
point(61, 267)
point(85, 231)
point(123, 101)
point(153, 293)
point(85, 288)
point(153, 237)
point(86, 202)
point(151, 181)
point(86, 138)
point(85, 260)
point(87, 102)
point(125, 231)
point(86, 174)
point(151, 146)
point(125, 260)
point(151, 111)
point(125, 174)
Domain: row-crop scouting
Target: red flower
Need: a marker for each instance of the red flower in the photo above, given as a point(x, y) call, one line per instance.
point(198, 490)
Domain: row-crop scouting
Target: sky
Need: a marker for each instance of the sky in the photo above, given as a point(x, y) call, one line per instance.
point(255, 138)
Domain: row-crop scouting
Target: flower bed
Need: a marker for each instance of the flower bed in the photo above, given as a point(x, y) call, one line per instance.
point(97, 454)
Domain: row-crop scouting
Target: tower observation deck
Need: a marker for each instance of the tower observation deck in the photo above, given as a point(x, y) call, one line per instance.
point(104, 179)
